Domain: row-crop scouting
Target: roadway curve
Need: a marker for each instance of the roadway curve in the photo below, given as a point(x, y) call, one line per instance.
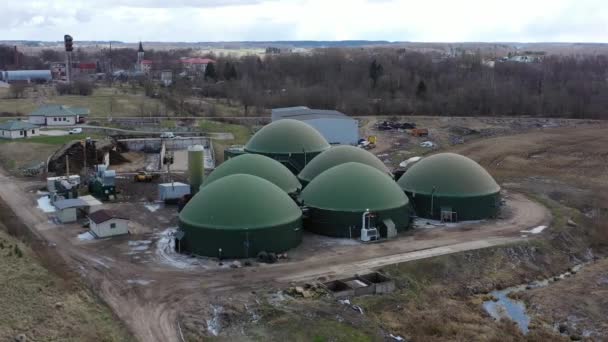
point(151, 311)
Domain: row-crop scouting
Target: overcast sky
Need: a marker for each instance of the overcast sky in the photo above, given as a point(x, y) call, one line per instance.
point(234, 20)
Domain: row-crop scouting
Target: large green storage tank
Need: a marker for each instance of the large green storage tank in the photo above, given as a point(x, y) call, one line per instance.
point(257, 165)
point(449, 182)
point(239, 216)
point(337, 198)
point(339, 155)
point(291, 142)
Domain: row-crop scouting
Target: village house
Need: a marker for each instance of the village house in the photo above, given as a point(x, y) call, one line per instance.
point(58, 115)
point(106, 223)
point(18, 129)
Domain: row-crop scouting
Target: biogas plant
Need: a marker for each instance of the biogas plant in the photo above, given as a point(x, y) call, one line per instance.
point(288, 182)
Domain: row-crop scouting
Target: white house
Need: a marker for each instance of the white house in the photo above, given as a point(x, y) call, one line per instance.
point(336, 127)
point(18, 129)
point(106, 223)
point(58, 115)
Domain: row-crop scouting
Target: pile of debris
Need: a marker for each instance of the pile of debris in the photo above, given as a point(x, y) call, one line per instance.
point(270, 257)
point(75, 153)
point(390, 125)
point(306, 291)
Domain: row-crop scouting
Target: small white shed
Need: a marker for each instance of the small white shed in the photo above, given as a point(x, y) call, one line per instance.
point(67, 210)
point(106, 223)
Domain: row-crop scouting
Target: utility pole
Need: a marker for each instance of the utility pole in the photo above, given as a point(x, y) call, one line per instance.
point(111, 71)
point(84, 152)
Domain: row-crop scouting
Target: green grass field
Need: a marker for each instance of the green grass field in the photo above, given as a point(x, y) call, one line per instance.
point(102, 102)
point(241, 133)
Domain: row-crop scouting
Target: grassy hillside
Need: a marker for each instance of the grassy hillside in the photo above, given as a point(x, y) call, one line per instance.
point(43, 306)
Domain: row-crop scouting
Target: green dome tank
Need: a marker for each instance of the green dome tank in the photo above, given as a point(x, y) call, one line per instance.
point(339, 155)
point(337, 198)
point(451, 183)
point(242, 215)
point(291, 142)
point(257, 165)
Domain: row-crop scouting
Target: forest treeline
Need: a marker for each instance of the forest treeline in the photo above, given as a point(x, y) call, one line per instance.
point(384, 81)
point(392, 82)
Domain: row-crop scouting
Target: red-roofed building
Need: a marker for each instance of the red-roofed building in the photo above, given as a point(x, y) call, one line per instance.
point(196, 64)
point(87, 68)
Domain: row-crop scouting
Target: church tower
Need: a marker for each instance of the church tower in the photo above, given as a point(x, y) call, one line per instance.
point(140, 58)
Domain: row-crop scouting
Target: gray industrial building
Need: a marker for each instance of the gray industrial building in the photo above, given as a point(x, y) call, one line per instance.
point(28, 76)
point(336, 127)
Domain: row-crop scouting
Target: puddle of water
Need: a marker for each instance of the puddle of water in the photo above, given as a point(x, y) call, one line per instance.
point(514, 309)
point(506, 307)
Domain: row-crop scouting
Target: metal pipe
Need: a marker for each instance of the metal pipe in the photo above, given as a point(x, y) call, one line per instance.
point(363, 218)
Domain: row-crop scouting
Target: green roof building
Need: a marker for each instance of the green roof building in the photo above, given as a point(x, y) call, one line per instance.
point(453, 185)
point(257, 165)
point(58, 115)
point(291, 142)
point(18, 129)
point(337, 198)
point(339, 155)
point(238, 216)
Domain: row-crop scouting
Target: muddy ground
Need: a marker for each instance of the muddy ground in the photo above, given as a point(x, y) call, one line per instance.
point(437, 298)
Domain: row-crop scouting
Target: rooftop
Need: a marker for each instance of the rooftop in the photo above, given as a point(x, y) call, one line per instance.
point(16, 126)
point(305, 113)
point(104, 215)
point(71, 203)
point(197, 60)
point(59, 110)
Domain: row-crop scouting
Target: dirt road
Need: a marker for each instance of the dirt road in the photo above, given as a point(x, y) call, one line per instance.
point(148, 296)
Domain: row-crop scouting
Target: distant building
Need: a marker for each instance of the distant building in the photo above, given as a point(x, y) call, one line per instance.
point(106, 223)
point(524, 59)
point(166, 77)
point(336, 127)
point(140, 58)
point(18, 129)
point(196, 65)
point(26, 76)
point(58, 69)
point(58, 115)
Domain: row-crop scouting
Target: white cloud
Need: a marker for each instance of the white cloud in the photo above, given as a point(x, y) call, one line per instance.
point(225, 20)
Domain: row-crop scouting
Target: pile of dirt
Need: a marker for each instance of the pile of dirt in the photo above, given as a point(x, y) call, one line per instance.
point(75, 153)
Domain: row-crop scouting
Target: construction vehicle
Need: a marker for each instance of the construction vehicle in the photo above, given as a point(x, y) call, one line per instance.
point(419, 132)
point(143, 176)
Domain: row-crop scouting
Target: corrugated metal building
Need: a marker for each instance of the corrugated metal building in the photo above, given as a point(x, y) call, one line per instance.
point(336, 127)
point(28, 76)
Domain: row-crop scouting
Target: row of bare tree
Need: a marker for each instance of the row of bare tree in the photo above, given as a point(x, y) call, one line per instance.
point(393, 82)
point(388, 81)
